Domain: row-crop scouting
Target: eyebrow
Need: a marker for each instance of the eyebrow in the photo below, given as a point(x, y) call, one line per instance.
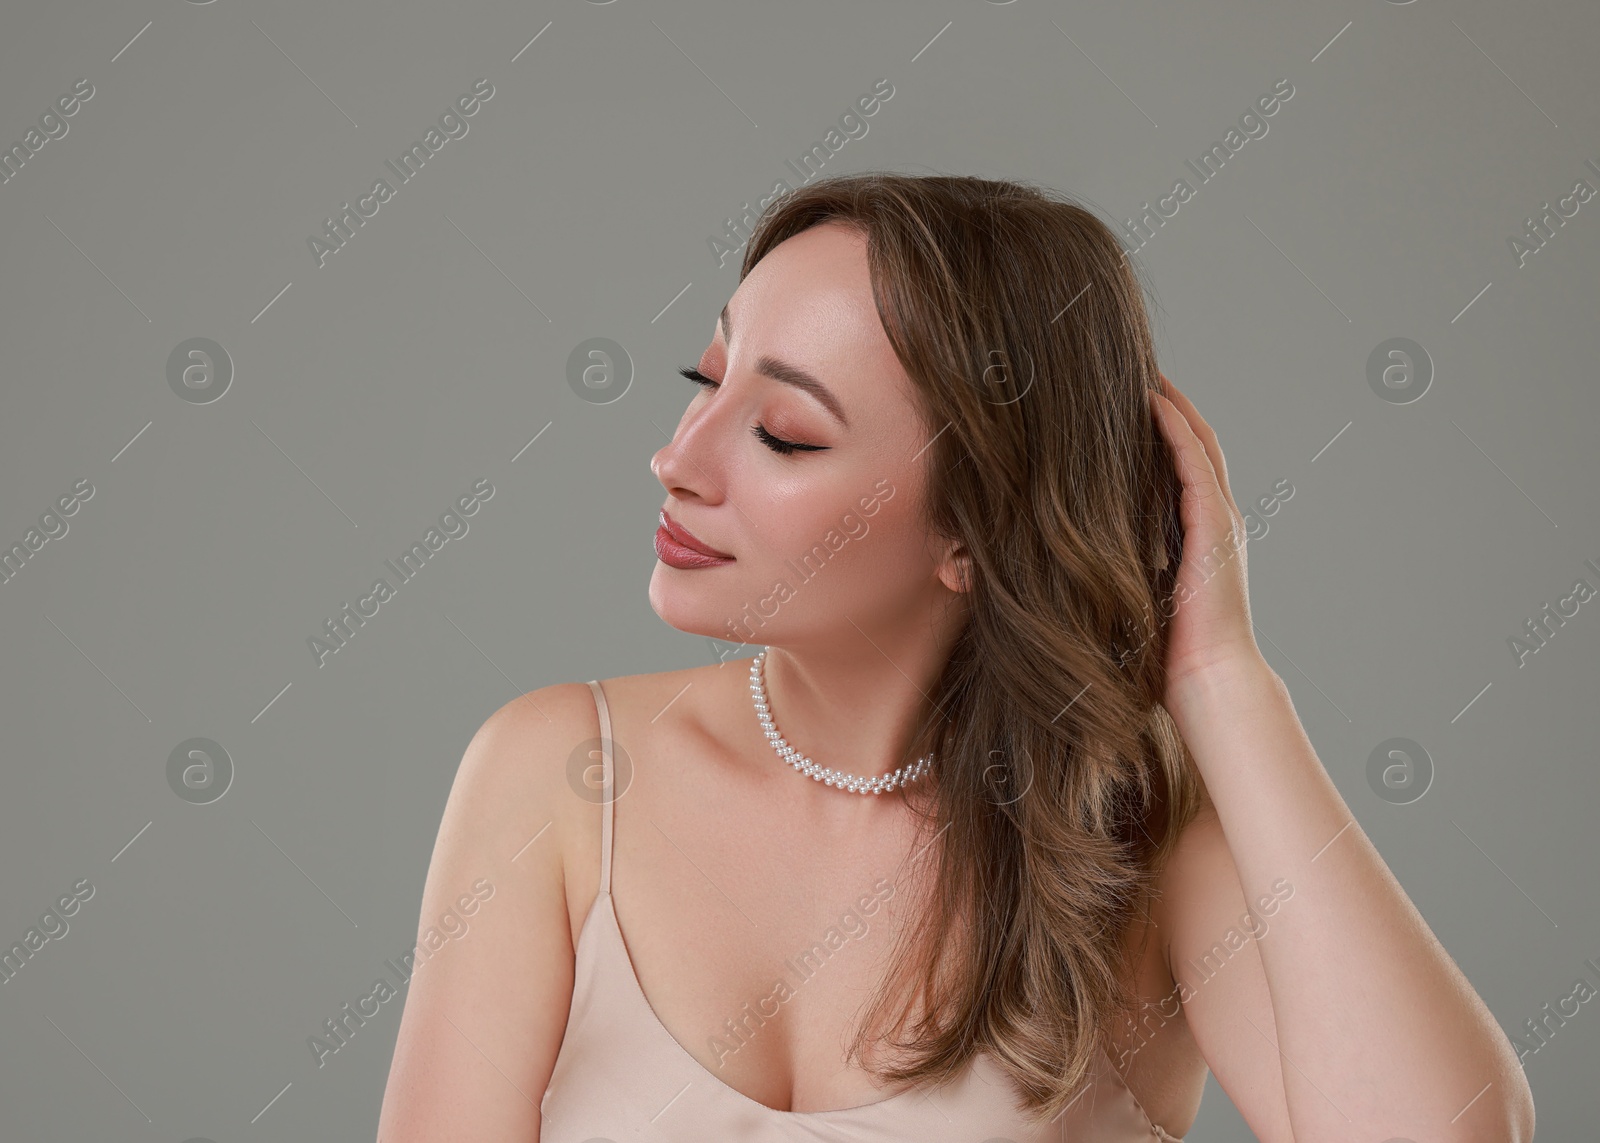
point(790, 374)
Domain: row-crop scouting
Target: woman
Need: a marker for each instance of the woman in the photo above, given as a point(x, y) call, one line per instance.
point(934, 472)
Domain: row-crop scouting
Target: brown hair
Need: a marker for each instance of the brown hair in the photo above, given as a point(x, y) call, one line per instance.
point(1061, 783)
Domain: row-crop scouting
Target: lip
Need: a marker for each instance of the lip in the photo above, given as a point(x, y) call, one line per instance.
point(678, 547)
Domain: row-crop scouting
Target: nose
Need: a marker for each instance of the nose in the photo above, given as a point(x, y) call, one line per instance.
point(665, 465)
point(688, 465)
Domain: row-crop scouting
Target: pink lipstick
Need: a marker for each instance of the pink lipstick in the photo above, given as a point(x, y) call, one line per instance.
point(677, 547)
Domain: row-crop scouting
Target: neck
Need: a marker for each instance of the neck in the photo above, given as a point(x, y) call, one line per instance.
point(852, 708)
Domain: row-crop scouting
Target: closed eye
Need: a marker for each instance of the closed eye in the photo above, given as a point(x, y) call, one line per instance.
point(776, 444)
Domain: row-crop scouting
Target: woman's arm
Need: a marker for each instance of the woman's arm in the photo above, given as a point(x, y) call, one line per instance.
point(1330, 1011)
point(488, 1001)
point(1374, 1034)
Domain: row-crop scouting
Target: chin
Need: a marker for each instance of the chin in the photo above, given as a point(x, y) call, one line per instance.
point(682, 604)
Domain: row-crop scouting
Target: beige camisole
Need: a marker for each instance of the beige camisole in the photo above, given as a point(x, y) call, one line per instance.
point(621, 1076)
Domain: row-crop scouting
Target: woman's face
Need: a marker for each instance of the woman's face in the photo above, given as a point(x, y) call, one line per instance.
point(826, 541)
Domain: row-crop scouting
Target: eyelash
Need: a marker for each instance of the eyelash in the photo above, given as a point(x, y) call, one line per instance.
point(776, 444)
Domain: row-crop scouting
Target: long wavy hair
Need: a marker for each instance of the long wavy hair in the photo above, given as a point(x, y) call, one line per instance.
point(1061, 783)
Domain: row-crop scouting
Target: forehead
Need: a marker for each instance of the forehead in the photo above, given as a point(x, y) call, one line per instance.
point(810, 300)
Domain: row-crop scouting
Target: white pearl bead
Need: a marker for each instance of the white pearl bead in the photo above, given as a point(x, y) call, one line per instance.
point(852, 782)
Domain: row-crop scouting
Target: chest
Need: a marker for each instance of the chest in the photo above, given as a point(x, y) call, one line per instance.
point(756, 942)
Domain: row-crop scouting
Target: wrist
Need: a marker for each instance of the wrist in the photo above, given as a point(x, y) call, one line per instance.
point(1220, 684)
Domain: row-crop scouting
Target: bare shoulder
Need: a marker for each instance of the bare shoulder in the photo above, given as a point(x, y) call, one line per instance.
point(1213, 932)
point(1198, 864)
point(493, 971)
point(521, 763)
point(1159, 1057)
point(534, 719)
point(664, 686)
point(675, 705)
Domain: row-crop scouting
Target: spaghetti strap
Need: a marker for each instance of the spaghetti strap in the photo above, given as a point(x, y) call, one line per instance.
point(608, 793)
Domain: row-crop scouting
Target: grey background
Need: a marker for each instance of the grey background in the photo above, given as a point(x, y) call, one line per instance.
point(370, 393)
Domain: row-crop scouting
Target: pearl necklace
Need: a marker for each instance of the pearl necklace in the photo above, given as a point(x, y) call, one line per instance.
point(852, 782)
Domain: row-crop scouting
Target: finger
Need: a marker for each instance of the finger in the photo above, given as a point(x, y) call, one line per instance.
point(1203, 432)
point(1205, 510)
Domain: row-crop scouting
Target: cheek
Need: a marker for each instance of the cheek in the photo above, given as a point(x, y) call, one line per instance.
point(876, 556)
